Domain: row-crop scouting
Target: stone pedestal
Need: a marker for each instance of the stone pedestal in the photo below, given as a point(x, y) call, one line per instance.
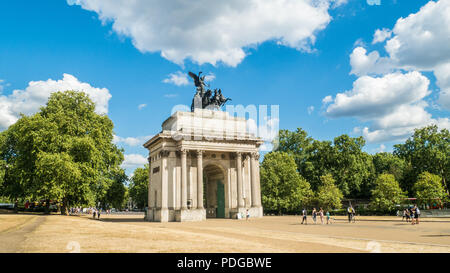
point(190, 215)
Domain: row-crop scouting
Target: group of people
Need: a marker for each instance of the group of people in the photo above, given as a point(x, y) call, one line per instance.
point(411, 215)
point(314, 216)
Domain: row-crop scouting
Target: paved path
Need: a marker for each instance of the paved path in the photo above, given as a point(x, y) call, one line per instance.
point(12, 239)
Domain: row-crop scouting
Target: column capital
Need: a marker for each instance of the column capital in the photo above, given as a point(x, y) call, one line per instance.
point(164, 153)
point(199, 153)
point(255, 155)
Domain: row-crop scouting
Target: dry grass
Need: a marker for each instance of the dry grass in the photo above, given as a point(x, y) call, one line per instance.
point(115, 233)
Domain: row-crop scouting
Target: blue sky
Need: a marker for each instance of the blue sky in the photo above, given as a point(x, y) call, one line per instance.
point(124, 54)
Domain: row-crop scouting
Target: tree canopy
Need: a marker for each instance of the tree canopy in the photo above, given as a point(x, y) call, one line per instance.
point(427, 150)
point(139, 186)
point(429, 189)
point(64, 152)
point(328, 195)
point(387, 193)
point(282, 187)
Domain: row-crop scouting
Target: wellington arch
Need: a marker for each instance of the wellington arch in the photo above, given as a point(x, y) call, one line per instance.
point(203, 164)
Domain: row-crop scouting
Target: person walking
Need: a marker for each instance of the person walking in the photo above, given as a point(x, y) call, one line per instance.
point(314, 215)
point(94, 213)
point(305, 214)
point(328, 218)
point(98, 214)
point(349, 213)
point(321, 215)
point(417, 215)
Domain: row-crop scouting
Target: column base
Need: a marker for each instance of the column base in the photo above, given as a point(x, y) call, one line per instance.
point(190, 215)
point(157, 215)
point(241, 213)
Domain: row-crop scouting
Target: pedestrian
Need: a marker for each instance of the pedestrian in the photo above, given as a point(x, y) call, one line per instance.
point(321, 215)
point(314, 215)
point(417, 214)
point(248, 215)
point(305, 214)
point(328, 218)
point(349, 213)
point(412, 215)
point(404, 214)
point(98, 214)
point(353, 215)
point(93, 214)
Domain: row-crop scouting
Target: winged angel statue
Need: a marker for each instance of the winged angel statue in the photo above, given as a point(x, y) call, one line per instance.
point(203, 98)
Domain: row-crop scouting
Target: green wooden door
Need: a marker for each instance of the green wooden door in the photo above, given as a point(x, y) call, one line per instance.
point(220, 200)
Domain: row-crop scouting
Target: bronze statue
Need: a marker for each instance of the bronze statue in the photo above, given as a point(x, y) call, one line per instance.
point(202, 99)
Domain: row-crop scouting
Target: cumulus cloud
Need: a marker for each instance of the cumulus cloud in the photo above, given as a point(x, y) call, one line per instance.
point(178, 78)
point(364, 64)
point(36, 94)
point(212, 31)
point(374, 96)
point(393, 105)
point(142, 106)
point(132, 161)
point(421, 40)
point(310, 109)
point(381, 35)
point(131, 141)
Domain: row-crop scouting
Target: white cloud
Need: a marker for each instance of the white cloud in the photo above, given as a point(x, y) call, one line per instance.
point(131, 141)
point(178, 78)
point(170, 96)
point(372, 63)
point(132, 161)
point(421, 40)
point(36, 94)
point(142, 106)
point(393, 105)
point(211, 31)
point(310, 109)
point(442, 73)
point(327, 99)
point(210, 77)
point(381, 35)
point(374, 96)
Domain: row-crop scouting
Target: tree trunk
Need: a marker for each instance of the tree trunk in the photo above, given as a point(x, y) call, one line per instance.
point(47, 207)
point(65, 207)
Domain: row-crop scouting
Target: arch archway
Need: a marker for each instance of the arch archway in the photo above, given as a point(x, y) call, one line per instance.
point(214, 191)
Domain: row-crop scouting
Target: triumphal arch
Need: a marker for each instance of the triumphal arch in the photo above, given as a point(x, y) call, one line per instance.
point(203, 164)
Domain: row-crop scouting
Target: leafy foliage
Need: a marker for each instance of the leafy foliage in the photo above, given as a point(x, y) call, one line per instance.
point(329, 196)
point(64, 152)
point(428, 150)
point(282, 187)
point(429, 189)
point(139, 186)
point(387, 193)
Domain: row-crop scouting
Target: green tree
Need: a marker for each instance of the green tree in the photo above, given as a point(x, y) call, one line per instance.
point(387, 193)
point(427, 150)
point(283, 189)
point(64, 152)
point(429, 189)
point(329, 196)
point(389, 163)
point(139, 187)
point(117, 194)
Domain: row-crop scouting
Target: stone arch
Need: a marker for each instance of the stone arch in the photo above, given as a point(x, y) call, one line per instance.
point(214, 181)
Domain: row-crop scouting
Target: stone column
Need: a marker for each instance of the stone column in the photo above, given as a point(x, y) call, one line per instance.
point(183, 180)
point(149, 179)
point(199, 179)
point(239, 179)
point(164, 154)
point(255, 192)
